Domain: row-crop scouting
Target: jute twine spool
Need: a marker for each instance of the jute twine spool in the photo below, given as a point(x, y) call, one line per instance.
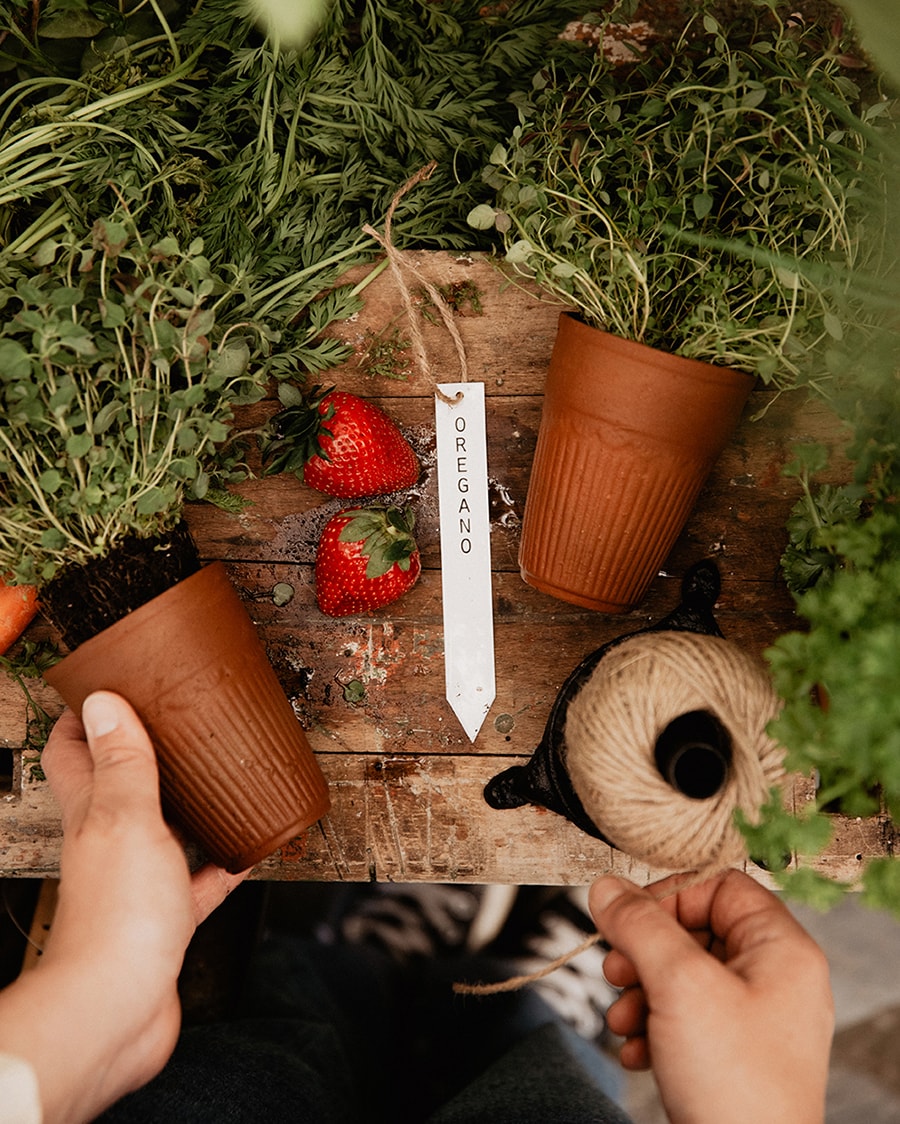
point(612, 726)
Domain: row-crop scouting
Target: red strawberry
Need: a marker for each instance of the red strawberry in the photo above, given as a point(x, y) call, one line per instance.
point(366, 558)
point(340, 444)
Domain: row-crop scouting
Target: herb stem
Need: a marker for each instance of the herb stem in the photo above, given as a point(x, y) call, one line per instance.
point(167, 31)
point(265, 300)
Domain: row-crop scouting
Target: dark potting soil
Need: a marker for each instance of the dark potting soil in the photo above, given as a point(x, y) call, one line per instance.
point(85, 599)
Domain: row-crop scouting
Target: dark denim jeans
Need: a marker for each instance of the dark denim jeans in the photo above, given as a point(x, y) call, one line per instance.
point(342, 1035)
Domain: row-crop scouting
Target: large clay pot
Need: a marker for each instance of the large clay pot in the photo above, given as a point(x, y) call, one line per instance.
point(628, 437)
point(236, 769)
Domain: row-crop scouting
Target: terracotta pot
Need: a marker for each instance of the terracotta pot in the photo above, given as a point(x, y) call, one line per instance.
point(628, 437)
point(235, 767)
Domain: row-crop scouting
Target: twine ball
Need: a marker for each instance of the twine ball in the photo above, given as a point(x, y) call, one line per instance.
point(613, 724)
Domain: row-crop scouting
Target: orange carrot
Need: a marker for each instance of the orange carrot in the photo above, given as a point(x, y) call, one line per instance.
point(18, 605)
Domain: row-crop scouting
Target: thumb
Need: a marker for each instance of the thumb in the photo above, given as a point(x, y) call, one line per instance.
point(125, 775)
point(636, 925)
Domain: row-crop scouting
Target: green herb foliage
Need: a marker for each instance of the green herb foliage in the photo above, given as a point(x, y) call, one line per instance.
point(710, 199)
point(277, 158)
point(117, 386)
point(810, 556)
point(315, 143)
point(44, 37)
point(839, 673)
point(840, 676)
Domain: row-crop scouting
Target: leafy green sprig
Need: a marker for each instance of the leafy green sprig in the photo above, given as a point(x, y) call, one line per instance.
point(117, 385)
point(811, 555)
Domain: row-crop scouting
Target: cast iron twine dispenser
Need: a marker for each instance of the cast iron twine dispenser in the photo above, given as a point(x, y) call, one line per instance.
point(656, 737)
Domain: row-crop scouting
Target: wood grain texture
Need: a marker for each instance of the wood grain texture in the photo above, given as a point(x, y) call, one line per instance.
point(406, 783)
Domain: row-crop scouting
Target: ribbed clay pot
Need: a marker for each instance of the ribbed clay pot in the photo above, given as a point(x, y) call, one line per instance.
point(236, 769)
point(628, 437)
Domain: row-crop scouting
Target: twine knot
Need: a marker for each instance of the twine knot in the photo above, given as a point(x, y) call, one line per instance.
point(397, 264)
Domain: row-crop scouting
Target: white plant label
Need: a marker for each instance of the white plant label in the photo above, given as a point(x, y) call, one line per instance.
point(467, 596)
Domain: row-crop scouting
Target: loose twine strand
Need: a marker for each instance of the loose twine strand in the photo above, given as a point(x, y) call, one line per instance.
point(611, 729)
point(689, 878)
point(397, 264)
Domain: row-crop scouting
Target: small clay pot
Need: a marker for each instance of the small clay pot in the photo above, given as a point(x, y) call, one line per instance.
point(236, 769)
point(628, 437)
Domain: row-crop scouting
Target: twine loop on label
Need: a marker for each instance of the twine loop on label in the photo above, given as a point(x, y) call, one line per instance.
point(397, 264)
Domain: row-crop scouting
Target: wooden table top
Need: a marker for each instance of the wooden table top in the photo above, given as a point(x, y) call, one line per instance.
point(406, 783)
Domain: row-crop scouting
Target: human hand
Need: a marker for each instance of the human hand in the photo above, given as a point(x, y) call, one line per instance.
point(725, 994)
point(99, 1015)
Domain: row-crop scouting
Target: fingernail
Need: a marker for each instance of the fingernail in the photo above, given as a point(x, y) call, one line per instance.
point(605, 891)
point(99, 715)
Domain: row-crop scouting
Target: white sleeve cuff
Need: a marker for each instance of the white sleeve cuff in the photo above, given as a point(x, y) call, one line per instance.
point(19, 1092)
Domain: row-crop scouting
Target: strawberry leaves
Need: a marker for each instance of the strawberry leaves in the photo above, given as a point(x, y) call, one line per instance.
point(385, 535)
point(293, 435)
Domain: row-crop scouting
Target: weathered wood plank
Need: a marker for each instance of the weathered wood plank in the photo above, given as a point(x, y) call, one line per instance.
point(507, 342)
point(406, 783)
point(359, 682)
point(415, 817)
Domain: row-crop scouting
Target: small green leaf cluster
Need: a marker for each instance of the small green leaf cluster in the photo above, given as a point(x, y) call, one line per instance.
point(718, 198)
point(386, 534)
point(117, 385)
point(815, 522)
point(292, 437)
